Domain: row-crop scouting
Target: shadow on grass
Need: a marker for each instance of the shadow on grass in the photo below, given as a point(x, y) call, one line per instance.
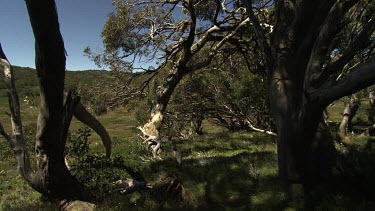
point(243, 181)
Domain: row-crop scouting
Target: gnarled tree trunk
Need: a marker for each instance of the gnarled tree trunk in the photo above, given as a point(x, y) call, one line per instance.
point(151, 130)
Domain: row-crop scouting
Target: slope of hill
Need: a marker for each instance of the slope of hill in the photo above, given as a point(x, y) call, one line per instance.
point(26, 80)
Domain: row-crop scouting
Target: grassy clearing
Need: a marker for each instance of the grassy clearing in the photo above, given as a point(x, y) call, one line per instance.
point(220, 170)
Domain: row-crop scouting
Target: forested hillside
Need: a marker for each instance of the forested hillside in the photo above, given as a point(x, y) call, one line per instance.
point(26, 80)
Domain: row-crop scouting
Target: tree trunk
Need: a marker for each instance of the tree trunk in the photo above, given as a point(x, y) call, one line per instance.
point(196, 124)
point(151, 130)
point(305, 157)
point(51, 177)
point(343, 129)
point(371, 111)
point(350, 110)
point(371, 95)
point(305, 147)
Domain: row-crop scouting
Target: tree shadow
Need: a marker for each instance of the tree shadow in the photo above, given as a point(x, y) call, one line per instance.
point(241, 182)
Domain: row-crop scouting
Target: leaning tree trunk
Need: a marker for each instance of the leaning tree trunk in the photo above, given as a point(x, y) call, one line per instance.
point(151, 130)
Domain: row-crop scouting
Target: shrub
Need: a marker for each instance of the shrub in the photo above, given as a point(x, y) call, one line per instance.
point(96, 172)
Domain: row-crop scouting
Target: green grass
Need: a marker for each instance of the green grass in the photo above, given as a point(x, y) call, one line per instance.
point(15, 193)
point(336, 109)
point(220, 170)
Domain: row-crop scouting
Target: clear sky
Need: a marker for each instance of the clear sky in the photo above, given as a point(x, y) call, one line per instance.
point(81, 22)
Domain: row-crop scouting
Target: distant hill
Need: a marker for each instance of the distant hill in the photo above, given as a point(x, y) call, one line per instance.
point(26, 80)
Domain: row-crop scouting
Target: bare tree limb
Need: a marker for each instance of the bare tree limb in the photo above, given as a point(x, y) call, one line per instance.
point(359, 78)
point(266, 49)
point(251, 126)
point(350, 52)
point(327, 33)
point(216, 47)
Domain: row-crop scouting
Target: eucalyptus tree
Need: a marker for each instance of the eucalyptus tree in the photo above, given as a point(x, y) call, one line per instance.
point(311, 54)
point(182, 34)
point(311, 61)
point(51, 176)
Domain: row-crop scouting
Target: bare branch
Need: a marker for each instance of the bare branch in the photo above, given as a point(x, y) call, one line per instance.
point(351, 51)
point(266, 49)
point(4, 133)
point(327, 33)
point(359, 78)
point(251, 126)
point(214, 50)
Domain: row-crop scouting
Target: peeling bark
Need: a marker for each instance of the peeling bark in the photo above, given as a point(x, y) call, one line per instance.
point(16, 139)
point(151, 130)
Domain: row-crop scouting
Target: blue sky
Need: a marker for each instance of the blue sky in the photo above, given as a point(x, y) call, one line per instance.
point(81, 22)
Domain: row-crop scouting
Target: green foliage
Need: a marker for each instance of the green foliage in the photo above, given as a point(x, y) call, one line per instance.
point(219, 170)
point(96, 172)
point(232, 97)
point(77, 143)
point(141, 109)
